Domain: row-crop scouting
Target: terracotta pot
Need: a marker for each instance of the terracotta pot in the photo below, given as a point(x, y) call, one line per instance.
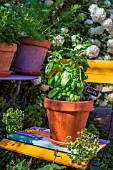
point(66, 118)
point(30, 56)
point(6, 56)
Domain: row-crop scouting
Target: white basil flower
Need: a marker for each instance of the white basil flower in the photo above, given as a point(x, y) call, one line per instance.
point(6, 4)
point(92, 51)
point(49, 2)
point(96, 42)
point(78, 47)
point(91, 31)
point(58, 40)
point(107, 3)
point(99, 15)
point(88, 22)
point(74, 38)
point(64, 30)
point(37, 81)
point(99, 30)
point(107, 24)
point(110, 43)
point(93, 8)
point(44, 87)
point(111, 31)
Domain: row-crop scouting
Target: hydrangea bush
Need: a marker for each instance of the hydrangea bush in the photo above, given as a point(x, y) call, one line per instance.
point(92, 31)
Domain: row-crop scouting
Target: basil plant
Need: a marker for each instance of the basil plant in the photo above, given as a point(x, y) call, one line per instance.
point(66, 80)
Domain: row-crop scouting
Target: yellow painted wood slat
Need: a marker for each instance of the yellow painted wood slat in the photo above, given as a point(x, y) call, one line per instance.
point(37, 152)
point(42, 133)
point(99, 71)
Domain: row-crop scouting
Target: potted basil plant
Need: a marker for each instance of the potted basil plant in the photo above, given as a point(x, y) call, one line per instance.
point(67, 105)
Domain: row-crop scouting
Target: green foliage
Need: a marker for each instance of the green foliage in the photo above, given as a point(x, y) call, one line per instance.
point(68, 80)
point(10, 23)
point(83, 149)
point(13, 120)
point(2, 102)
point(33, 114)
point(20, 165)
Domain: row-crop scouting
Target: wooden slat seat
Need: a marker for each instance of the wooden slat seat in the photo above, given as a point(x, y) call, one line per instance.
point(35, 142)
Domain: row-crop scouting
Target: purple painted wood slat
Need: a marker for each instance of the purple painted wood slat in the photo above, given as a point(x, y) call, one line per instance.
point(18, 77)
point(40, 129)
point(32, 135)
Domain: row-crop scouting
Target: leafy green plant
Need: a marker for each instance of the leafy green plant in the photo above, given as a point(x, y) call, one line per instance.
point(67, 81)
point(19, 165)
point(10, 23)
point(13, 120)
point(83, 149)
point(33, 114)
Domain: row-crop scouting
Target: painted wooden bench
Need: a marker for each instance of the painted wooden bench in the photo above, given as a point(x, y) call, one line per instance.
point(35, 143)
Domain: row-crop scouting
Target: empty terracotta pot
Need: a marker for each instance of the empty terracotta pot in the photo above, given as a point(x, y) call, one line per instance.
point(6, 56)
point(30, 56)
point(66, 118)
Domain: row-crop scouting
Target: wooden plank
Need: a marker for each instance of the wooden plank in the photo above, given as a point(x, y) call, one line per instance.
point(38, 132)
point(38, 152)
point(36, 142)
point(32, 135)
point(40, 129)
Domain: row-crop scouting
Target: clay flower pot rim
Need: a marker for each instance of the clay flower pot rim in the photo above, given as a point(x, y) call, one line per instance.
point(30, 41)
point(62, 101)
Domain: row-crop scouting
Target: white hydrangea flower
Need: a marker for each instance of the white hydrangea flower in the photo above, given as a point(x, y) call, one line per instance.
point(58, 40)
point(103, 103)
point(96, 42)
point(93, 8)
point(78, 47)
point(111, 16)
point(74, 38)
point(64, 30)
point(91, 31)
point(99, 58)
point(110, 11)
point(37, 81)
point(110, 50)
point(111, 31)
point(44, 87)
point(99, 30)
point(110, 43)
point(88, 22)
point(107, 3)
point(107, 24)
point(92, 51)
point(49, 2)
point(99, 15)
point(107, 57)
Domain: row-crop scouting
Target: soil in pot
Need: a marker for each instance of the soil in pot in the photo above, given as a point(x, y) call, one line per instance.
point(66, 118)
